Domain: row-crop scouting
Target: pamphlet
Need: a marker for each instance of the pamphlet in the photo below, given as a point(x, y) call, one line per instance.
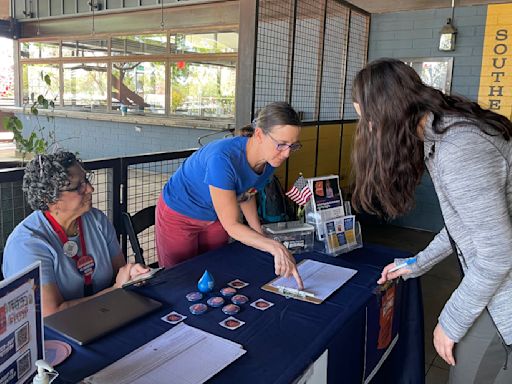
point(340, 233)
point(326, 203)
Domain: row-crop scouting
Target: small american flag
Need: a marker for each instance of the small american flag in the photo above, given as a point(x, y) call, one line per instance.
point(300, 192)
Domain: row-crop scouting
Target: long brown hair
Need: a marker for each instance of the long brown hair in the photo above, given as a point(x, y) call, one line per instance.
point(388, 152)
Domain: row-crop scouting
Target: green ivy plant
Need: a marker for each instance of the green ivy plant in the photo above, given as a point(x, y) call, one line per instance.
point(36, 142)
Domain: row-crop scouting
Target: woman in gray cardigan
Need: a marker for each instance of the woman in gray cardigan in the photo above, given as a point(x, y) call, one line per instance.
point(406, 126)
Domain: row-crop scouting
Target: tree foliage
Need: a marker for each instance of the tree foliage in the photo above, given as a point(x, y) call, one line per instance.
point(37, 141)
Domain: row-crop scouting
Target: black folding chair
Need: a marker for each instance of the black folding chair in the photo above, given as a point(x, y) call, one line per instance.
point(136, 224)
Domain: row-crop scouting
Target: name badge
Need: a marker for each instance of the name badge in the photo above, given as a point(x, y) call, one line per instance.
point(70, 248)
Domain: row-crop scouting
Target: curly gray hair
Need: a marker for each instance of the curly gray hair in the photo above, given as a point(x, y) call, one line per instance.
point(45, 176)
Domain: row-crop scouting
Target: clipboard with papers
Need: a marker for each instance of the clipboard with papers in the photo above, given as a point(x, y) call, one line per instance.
point(320, 280)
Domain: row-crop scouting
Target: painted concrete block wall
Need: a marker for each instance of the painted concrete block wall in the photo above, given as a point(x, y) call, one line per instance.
point(101, 139)
point(415, 34)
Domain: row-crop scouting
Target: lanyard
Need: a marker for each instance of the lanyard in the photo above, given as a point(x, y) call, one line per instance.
point(84, 263)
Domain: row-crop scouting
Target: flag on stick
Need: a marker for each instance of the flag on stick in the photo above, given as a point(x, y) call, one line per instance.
point(300, 191)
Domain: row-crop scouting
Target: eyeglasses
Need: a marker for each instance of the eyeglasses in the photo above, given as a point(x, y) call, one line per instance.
point(82, 186)
point(283, 146)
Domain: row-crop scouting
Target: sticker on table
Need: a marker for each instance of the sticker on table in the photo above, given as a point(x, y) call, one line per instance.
point(232, 323)
point(237, 283)
point(173, 318)
point(56, 351)
point(215, 301)
point(231, 309)
point(261, 304)
point(239, 299)
point(194, 296)
point(228, 291)
point(198, 309)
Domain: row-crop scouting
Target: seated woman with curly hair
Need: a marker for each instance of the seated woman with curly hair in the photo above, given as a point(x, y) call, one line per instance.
point(76, 244)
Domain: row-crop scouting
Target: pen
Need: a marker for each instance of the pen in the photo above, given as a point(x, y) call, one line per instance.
point(296, 292)
point(407, 262)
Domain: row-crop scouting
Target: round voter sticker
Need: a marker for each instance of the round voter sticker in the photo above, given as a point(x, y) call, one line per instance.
point(239, 299)
point(227, 292)
point(216, 301)
point(231, 309)
point(198, 309)
point(194, 296)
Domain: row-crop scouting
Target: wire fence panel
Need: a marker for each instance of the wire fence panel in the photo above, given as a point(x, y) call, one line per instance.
point(273, 52)
point(357, 56)
point(307, 57)
point(307, 53)
point(14, 209)
point(334, 62)
point(145, 182)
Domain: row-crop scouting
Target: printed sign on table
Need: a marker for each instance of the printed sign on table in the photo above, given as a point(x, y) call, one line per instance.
point(21, 329)
point(382, 327)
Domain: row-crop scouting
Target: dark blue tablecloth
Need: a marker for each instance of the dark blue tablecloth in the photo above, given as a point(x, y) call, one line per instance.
point(282, 341)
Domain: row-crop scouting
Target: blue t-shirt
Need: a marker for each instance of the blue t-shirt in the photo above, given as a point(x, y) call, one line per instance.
point(35, 240)
point(222, 164)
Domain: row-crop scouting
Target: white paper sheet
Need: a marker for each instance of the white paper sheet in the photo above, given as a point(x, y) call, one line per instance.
point(182, 355)
point(321, 279)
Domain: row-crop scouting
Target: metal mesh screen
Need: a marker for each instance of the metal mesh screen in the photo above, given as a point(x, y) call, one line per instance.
point(103, 192)
point(273, 52)
point(145, 182)
point(13, 210)
point(334, 63)
point(357, 50)
point(308, 43)
point(290, 37)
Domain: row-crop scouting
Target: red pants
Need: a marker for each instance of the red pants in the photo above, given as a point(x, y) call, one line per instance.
point(179, 237)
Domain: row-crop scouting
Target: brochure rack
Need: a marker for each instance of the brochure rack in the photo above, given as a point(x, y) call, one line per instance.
point(335, 226)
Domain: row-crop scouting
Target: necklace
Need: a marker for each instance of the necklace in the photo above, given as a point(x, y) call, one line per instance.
point(75, 230)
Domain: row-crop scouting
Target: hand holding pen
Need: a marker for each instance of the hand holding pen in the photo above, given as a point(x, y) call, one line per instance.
point(393, 271)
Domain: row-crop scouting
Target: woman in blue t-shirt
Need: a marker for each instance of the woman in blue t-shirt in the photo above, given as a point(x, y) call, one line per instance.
point(199, 207)
point(75, 243)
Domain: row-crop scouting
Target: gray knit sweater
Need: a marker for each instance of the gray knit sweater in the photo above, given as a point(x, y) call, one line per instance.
point(471, 172)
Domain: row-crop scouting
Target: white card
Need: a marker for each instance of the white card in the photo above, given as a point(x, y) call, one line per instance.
point(237, 283)
point(232, 323)
point(261, 304)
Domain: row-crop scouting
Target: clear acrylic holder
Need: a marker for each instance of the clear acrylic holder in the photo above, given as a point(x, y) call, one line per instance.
point(323, 246)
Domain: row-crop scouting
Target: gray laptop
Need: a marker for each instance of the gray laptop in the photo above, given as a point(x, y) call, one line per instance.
point(96, 317)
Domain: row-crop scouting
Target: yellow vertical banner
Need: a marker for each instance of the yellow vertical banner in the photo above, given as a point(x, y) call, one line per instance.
point(495, 90)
